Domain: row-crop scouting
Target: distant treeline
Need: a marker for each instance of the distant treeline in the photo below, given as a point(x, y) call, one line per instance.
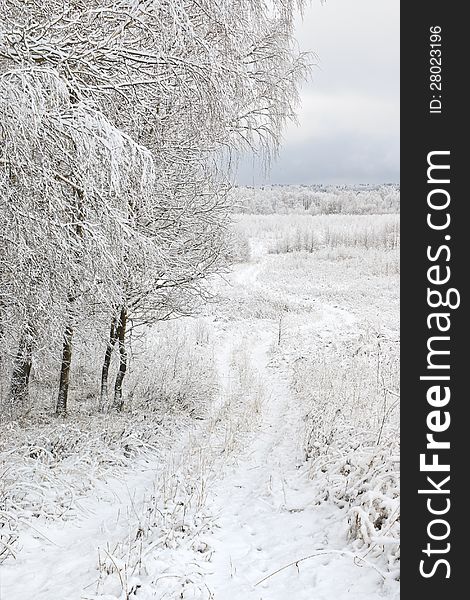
point(318, 199)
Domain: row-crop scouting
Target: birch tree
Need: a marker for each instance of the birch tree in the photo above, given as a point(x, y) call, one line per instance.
point(67, 174)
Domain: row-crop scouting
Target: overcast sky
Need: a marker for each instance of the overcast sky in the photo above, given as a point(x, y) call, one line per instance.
point(349, 118)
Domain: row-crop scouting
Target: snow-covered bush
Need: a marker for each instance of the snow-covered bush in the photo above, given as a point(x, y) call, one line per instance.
point(286, 234)
point(237, 246)
point(308, 234)
point(378, 261)
point(51, 465)
point(174, 368)
point(350, 393)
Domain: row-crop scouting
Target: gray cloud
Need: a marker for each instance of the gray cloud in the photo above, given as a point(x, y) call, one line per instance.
point(349, 118)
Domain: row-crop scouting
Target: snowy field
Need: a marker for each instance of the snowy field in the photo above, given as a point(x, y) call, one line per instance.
point(257, 456)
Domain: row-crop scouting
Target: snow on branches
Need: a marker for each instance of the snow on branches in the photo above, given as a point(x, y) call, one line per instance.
point(119, 123)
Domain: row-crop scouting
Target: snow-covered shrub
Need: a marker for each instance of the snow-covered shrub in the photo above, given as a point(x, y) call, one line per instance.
point(308, 234)
point(238, 246)
point(8, 530)
point(350, 392)
point(336, 235)
point(378, 261)
point(244, 397)
point(52, 464)
point(300, 239)
point(174, 368)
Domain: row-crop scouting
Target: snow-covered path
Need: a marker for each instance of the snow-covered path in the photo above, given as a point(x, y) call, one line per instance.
point(255, 501)
point(267, 517)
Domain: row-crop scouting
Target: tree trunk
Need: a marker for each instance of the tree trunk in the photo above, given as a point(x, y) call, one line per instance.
point(121, 337)
point(18, 394)
point(64, 379)
point(107, 361)
point(65, 371)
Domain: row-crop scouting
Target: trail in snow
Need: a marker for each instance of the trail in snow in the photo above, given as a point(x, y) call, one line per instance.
point(267, 517)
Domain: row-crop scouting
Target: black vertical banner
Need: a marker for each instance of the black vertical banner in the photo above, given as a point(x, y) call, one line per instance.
point(434, 326)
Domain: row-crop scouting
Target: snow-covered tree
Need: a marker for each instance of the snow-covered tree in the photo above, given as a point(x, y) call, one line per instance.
point(67, 177)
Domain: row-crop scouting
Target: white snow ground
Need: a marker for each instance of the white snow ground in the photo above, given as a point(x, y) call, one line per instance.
point(223, 512)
